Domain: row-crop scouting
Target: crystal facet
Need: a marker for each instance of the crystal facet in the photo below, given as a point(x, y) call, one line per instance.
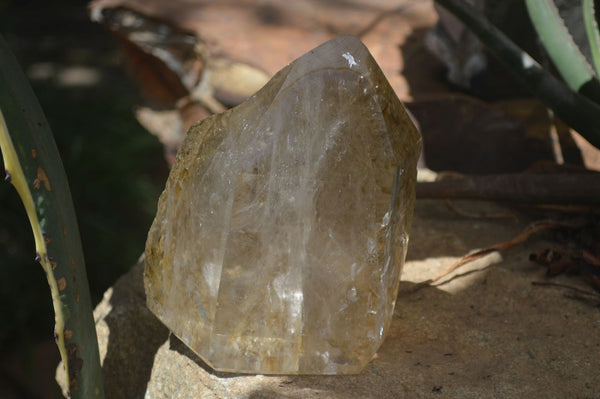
point(282, 231)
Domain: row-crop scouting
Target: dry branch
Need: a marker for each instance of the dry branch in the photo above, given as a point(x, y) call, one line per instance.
point(554, 188)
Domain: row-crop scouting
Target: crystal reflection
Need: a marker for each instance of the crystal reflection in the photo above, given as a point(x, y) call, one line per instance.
point(291, 302)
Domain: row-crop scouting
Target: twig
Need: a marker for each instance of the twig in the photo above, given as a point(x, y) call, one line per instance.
point(590, 258)
point(567, 189)
point(570, 287)
point(564, 208)
point(528, 232)
point(480, 215)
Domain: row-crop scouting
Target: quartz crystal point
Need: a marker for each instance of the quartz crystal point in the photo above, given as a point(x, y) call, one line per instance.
point(282, 231)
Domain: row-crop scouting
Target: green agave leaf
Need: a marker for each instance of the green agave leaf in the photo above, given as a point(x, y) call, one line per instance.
point(591, 28)
point(33, 166)
point(578, 111)
point(559, 44)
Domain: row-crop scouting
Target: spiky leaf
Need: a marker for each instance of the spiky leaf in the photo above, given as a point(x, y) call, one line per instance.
point(33, 166)
point(580, 112)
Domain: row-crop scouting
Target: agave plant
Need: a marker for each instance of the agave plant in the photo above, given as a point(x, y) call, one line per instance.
point(34, 167)
point(576, 100)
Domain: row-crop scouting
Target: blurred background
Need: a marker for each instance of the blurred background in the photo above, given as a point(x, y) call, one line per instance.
point(116, 171)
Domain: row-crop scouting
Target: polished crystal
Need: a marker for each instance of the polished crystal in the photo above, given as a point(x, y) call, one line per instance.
point(282, 231)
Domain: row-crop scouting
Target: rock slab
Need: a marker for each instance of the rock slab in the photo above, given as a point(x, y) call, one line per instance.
point(280, 237)
point(485, 332)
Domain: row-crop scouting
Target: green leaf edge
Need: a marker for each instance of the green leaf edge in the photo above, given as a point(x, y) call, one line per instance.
point(559, 44)
point(75, 331)
point(17, 178)
point(591, 28)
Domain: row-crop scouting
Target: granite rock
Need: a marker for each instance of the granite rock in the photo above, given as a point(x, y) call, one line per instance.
point(486, 331)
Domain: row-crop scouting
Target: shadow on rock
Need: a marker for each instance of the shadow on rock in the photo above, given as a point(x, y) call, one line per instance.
point(127, 330)
point(175, 344)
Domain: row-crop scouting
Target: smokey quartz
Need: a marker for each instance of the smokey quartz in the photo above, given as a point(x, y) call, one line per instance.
point(282, 231)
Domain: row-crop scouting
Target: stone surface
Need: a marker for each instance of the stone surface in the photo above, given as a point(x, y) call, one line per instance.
point(486, 333)
point(281, 234)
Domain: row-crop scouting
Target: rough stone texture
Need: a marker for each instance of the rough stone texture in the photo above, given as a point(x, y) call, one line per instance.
point(282, 231)
point(486, 333)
